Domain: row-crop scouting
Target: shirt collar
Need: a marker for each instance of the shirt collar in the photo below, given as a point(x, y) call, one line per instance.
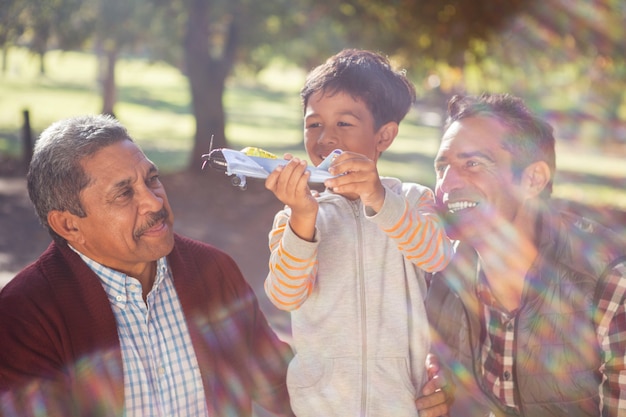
point(119, 286)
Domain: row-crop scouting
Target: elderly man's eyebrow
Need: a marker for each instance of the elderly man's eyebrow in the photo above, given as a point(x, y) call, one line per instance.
point(120, 185)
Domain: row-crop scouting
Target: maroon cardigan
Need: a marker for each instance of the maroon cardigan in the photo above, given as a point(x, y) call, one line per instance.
point(59, 346)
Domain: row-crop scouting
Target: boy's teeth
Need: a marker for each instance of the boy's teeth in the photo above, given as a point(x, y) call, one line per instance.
point(460, 205)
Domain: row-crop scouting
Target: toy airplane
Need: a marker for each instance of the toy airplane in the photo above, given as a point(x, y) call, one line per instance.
point(256, 163)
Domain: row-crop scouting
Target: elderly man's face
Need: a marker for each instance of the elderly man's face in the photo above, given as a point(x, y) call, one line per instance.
point(129, 221)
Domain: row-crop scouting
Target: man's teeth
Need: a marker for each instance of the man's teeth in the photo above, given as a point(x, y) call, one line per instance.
point(460, 205)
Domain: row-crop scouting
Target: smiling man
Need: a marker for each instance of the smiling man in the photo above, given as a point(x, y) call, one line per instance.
point(530, 314)
point(120, 315)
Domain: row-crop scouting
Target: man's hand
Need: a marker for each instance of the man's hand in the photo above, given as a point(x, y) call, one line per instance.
point(437, 393)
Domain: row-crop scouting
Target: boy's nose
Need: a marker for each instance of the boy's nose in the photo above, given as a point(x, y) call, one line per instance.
point(327, 137)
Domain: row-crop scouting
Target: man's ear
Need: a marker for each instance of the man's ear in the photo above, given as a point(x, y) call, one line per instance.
point(385, 136)
point(65, 224)
point(535, 178)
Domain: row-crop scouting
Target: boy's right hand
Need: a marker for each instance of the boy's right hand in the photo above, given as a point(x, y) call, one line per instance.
point(289, 183)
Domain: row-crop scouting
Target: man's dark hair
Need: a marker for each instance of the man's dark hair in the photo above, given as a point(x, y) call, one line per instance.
point(530, 138)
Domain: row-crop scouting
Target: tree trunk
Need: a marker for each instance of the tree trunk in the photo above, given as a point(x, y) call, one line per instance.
point(108, 80)
point(206, 75)
point(5, 59)
point(42, 63)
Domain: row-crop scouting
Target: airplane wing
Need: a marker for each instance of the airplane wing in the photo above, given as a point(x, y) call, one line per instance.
point(244, 165)
point(238, 163)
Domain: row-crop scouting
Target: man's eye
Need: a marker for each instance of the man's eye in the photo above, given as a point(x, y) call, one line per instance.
point(126, 193)
point(471, 164)
point(154, 180)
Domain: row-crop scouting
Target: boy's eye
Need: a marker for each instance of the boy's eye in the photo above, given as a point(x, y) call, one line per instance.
point(344, 124)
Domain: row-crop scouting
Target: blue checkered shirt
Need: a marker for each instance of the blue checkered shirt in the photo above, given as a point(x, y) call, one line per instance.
point(161, 372)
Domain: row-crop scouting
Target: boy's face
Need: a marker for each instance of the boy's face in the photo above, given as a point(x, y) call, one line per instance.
point(338, 121)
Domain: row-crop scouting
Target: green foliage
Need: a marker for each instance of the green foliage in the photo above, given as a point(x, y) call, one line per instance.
point(264, 112)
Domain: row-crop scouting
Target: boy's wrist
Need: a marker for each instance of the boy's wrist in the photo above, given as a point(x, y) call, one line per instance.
point(303, 225)
point(375, 204)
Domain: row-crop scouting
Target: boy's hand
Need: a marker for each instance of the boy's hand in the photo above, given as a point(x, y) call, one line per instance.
point(289, 183)
point(357, 178)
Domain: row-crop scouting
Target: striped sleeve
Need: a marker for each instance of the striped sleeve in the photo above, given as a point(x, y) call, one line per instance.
point(417, 230)
point(292, 266)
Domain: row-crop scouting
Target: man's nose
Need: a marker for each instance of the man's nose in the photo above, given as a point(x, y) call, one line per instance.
point(450, 180)
point(150, 201)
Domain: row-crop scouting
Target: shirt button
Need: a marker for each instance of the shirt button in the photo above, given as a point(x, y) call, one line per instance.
point(161, 371)
point(132, 287)
point(507, 375)
point(119, 298)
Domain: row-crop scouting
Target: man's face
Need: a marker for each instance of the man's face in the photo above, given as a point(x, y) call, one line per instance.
point(338, 121)
point(129, 221)
point(475, 189)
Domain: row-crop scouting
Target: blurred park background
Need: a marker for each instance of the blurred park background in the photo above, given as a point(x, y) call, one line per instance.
point(177, 72)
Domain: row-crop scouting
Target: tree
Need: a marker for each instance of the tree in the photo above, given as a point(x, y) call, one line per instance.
point(12, 26)
point(209, 58)
point(215, 35)
point(218, 34)
point(121, 25)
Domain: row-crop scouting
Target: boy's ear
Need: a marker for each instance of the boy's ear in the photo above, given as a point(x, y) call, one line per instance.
point(65, 224)
point(385, 136)
point(535, 178)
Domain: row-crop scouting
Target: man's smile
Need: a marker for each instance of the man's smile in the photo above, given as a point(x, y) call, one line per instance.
point(456, 206)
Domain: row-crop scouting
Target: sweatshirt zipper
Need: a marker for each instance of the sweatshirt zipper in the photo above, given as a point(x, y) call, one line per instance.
point(359, 233)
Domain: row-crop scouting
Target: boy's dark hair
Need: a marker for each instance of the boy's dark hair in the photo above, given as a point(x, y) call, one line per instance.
point(530, 138)
point(366, 76)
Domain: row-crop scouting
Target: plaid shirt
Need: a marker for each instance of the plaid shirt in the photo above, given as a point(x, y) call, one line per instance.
point(497, 348)
point(161, 373)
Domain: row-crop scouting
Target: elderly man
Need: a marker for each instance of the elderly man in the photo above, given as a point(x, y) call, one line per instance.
point(120, 315)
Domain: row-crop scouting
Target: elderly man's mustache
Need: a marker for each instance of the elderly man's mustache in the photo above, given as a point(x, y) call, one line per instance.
point(155, 218)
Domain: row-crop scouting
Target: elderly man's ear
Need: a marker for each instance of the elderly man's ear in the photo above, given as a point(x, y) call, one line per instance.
point(65, 224)
point(535, 178)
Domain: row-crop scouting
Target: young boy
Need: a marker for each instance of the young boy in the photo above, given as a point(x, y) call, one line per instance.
point(349, 263)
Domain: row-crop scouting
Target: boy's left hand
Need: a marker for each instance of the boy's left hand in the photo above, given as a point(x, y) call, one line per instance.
point(357, 177)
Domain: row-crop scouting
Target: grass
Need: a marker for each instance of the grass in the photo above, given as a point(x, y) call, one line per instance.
point(153, 102)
